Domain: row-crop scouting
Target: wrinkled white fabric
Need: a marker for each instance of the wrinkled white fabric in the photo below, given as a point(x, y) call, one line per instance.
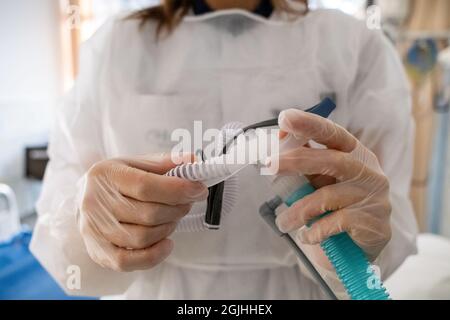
point(133, 91)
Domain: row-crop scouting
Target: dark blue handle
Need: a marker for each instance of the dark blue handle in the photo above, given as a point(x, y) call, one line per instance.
point(323, 109)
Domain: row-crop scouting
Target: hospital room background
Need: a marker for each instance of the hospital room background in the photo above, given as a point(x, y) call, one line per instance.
point(39, 61)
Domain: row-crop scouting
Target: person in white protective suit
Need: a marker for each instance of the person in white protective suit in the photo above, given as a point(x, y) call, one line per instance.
point(108, 212)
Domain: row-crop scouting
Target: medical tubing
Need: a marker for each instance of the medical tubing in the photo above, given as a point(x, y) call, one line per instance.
point(206, 171)
point(213, 215)
point(200, 171)
point(351, 264)
point(212, 173)
point(267, 212)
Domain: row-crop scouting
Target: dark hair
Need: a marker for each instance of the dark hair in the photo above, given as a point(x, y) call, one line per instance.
point(170, 12)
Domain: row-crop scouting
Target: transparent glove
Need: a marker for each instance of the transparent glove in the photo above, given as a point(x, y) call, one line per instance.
point(349, 182)
point(128, 209)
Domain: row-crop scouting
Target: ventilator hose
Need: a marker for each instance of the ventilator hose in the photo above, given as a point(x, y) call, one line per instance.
point(351, 264)
point(200, 171)
point(210, 170)
point(194, 222)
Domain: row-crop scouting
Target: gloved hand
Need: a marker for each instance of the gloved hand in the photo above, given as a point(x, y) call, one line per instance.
point(350, 183)
point(128, 209)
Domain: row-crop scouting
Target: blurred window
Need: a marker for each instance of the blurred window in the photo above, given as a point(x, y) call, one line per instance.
point(81, 18)
point(100, 10)
point(355, 8)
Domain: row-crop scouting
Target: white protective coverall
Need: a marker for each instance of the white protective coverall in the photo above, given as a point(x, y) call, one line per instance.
point(225, 66)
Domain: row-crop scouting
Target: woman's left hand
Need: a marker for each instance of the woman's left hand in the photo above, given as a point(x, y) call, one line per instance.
point(349, 181)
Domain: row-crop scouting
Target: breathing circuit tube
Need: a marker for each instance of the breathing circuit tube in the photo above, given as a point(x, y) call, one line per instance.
point(211, 172)
point(348, 259)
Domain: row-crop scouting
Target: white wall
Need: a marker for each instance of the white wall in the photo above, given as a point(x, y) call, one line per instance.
point(30, 84)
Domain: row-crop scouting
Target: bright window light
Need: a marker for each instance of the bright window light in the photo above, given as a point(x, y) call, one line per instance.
point(352, 7)
point(100, 10)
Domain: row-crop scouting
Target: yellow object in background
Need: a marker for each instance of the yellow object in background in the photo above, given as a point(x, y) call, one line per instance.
point(424, 86)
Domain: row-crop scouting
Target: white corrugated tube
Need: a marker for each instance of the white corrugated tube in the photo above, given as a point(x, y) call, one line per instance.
point(211, 172)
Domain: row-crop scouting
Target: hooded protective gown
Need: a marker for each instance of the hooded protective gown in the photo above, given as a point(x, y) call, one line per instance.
point(133, 91)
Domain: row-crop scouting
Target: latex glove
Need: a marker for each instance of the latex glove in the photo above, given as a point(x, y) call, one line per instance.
point(128, 209)
point(350, 183)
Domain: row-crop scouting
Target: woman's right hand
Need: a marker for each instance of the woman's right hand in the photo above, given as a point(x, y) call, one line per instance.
point(128, 209)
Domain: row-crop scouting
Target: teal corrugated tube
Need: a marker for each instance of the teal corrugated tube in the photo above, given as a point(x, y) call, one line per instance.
point(349, 260)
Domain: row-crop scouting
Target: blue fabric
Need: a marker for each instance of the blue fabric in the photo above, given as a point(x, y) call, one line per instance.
point(423, 55)
point(21, 275)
